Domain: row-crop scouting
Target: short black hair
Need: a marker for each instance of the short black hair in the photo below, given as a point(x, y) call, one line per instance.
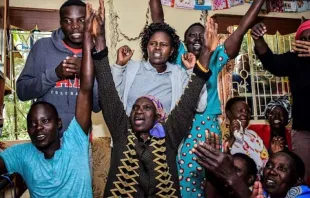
point(150, 30)
point(250, 164)
point(71, 3)
point(43, 103)
point(300, 166)
point(194, 24)
point(232, 101)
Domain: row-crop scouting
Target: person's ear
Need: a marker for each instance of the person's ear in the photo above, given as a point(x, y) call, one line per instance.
point(59, 124)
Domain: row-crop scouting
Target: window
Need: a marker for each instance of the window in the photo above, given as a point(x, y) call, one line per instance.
point(251, 81)
point(15, 111)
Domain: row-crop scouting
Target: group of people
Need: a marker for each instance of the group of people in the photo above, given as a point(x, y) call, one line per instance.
point(162, 113)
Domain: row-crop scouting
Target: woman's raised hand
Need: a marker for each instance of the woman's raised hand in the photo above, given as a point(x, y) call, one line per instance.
point(189, 60)
point(211, 38)
point(124, 54)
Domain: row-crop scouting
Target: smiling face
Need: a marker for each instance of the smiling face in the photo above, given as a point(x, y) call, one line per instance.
point(43, 126)
point(159, 49)
point(278, 174)
point(278, 117)
point(194, 39)
point(143, 115)
point(240, 111)
point(72, 25)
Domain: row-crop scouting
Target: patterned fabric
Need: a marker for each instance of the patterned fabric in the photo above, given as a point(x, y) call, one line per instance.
point(299, 192)
point(158, 130)
point(128, 175)
point(101, 155)
point(295, 192)
point(253, 146)
point(191, 175)
point(282, 101)
point(123, 156)
point(304, 26)
point(264, 132)
point(159, 107)
point(165, 184)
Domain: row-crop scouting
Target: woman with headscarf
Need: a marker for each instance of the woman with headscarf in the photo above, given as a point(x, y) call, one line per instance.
point(296, 68)
point(143, 162)
point(276, 136)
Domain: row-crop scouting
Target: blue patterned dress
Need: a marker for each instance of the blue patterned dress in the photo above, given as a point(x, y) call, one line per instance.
point(191, 174)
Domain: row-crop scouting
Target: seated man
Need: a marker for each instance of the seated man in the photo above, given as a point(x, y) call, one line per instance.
point(50, 166)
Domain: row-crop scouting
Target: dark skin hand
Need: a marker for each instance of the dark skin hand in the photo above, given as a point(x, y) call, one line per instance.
point(189, 60)
point(69, 68)
point(302, 48)
point(157, 12)
point(100, 41)
point(257, 33)
point(233, 42)
point(84, 99)
point(257, 190)
point(124, 54)
point(220, 165)
point(210, 43)
point(277, 144)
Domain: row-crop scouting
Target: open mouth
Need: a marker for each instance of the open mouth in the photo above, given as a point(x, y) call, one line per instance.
point(157, 55)
point(270, 182)
point(197, 46)
point(277, 121)
point(138, 121)
point(40, 137)
point(76, 35)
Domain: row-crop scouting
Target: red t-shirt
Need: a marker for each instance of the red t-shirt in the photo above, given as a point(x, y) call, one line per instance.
point(263, 131)
point(75, 51)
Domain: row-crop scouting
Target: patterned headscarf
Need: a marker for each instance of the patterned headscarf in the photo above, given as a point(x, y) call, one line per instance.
point(282, 101)
point(304, 26)
point(159, 107)
point(158, 130)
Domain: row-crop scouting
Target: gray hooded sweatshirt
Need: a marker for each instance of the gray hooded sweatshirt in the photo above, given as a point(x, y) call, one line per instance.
point(38, 80)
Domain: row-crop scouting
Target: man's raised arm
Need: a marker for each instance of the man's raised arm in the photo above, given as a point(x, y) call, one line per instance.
point(84, 99)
